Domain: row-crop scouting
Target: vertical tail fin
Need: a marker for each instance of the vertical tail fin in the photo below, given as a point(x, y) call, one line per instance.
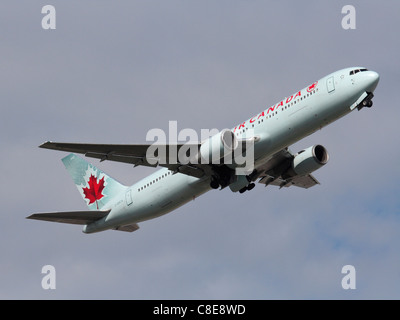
point(95, 187)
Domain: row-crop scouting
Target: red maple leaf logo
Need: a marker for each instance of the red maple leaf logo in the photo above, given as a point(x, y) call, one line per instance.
point(93, 192)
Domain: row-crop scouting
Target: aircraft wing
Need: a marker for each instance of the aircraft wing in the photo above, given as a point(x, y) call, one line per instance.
point(269, 172)
point(134, 154)
point(273, 172)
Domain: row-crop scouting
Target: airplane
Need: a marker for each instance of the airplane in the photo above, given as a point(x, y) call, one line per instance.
point(271, 132)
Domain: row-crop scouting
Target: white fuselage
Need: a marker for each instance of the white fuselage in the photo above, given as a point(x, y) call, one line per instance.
point(277, 127)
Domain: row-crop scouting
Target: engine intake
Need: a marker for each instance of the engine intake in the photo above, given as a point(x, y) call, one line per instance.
point(309, 160)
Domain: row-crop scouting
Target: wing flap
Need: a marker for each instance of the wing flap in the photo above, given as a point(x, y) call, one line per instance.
point(128, 228)
point(72, 217)
point(306, 181)
point(135, 160)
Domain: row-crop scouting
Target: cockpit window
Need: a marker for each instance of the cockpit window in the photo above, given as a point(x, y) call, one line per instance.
point(357, 71)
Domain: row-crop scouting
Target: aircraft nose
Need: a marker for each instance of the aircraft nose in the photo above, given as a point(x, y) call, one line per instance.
point(372, 79)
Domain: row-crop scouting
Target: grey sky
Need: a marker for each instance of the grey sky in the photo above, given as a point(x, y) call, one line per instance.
point(111, 71)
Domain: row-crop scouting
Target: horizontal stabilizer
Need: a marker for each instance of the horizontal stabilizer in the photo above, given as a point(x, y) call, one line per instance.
point(73, 217)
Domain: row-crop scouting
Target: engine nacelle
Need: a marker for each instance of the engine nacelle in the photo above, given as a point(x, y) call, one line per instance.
point(216, 147)
point(309, 160)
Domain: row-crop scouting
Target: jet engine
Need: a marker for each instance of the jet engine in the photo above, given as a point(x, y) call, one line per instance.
point(308, 160)
point(218, 146)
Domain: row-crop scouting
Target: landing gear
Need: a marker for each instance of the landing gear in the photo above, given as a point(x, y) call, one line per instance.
point(247, 188)
point(367, 102)
point(221, 176)
point(250, 186)
point(214, 184)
